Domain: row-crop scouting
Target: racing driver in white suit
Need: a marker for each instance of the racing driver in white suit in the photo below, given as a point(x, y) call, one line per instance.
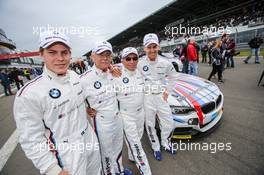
point(51, 118)
point(102, 106)
point(130, 87)
point(154, 70)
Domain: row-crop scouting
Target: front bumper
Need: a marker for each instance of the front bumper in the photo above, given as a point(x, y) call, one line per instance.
point(186, 129)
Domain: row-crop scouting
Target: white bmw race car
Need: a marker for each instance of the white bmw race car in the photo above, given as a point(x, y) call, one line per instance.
point(174, 60)
point(196, 104)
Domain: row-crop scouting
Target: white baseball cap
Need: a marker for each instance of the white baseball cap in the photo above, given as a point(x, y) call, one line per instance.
point(150, 39)
point(49, 37)
point(128, 50)
point(102, 46)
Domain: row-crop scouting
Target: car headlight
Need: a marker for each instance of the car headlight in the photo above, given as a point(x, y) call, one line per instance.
point(193, 121)
point(179, 110)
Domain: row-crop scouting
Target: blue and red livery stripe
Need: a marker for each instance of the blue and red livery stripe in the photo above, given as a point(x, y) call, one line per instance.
point(196, 105)
point(194, 97)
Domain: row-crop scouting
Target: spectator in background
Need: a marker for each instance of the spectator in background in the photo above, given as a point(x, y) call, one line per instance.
point(4, 80)
point(34, 72)
point(217, 61)
point(204, 50)
point(192, 57)
point(254, 44)
point(86, 65)
point(231, 45)
point(39, 71)
point(90, 62)
point(16, 76)
point(27, 73)
point(183, 56)
point(197, 51)
point(177, 51)
point(223, 48)
point(210, 48)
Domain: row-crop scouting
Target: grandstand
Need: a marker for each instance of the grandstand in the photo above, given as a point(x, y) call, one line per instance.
point(241, 19)
point(7, 46)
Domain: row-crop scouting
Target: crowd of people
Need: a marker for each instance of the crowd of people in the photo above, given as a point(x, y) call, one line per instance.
point(8, 76)
point(80, 66)
point(219, 52)
point(253, 15)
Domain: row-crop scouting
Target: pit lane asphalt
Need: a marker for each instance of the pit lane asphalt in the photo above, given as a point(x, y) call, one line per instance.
point(242, 126)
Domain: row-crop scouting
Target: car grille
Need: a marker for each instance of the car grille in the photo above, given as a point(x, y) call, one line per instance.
point(218, 101)
point(209, 107)
point(182, 130)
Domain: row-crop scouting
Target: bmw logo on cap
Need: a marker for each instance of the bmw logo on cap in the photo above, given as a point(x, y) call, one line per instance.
point(54, 93)
point(145, 68)
point(125, 80)
point(97, 85)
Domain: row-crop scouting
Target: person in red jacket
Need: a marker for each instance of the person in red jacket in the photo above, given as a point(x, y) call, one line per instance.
point(192, 57)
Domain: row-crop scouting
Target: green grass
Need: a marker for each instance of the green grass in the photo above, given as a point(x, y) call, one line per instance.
point(246, 52)
point(243, 53)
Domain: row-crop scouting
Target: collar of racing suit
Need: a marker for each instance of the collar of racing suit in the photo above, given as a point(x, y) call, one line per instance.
point(152, 62)
point(100, 72)
point(129, 72)
point(59, 78)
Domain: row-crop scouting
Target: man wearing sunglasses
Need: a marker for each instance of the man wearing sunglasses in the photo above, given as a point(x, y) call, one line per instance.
point(155, 70)
point(102, 103)
point(130, 87)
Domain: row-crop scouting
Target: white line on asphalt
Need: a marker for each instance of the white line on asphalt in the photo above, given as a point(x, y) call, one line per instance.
point(8, 148)
point(1, 95)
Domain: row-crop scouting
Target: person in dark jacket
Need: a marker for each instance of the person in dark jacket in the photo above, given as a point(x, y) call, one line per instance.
point(217, 62)
point(197, 51)
point(177, 51)
point(223, 49)
point(15, 76)
point(4, 80)
point(204, 50)
point(210, 48)
point(254, 44)
point(231, 45)
point(184, 57)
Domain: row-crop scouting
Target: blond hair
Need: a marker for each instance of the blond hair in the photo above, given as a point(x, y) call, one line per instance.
point(218, 43)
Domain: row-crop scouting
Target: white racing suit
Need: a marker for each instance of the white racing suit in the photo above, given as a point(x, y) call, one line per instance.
point(101, 96)
point(131, 97)
point(53, 128)
point(154, 74)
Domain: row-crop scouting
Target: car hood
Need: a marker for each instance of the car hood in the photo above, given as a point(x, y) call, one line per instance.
point(192, 91)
